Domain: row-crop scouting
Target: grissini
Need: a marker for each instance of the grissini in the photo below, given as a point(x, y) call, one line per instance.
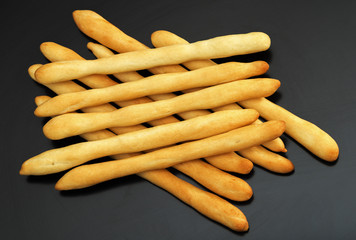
point(212, 178)
point(104, 32)
point(218, 47)
point(60, 159)
point(306, 133)
point(96, 27)
point(163, 38)
point(231, 162)
point(71, 124)
point(234, 140)
point(206, 203)
point(155, 84)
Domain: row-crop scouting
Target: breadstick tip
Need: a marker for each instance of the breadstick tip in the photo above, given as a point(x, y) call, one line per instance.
point(262, 65)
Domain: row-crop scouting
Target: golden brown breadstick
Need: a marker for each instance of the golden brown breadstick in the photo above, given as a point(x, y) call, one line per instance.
point(56, 160)
point(306, 133)
point(204, 202)
point(208, 204)
point(71, 124)
point(241, 138)
point(156, 84)
point(164, 38)
point(107, 34)
point(55, 52)
point(218, 181)
point(309, 135)
point(231, 162)
point(268, 160)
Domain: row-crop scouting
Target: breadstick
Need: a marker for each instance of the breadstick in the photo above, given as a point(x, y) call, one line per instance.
point(71, 124)
point(204, 202)
point(307, 134)
point(268, 160)
point(101, 30)
point(218, 47)
point(218, 181)
point(56, 160)
point(230, 162)
point(156, 84)
point(234, 140)
point(164, 38)
point(55, 52)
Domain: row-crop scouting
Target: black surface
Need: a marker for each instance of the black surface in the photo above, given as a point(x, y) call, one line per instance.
point(313, 54)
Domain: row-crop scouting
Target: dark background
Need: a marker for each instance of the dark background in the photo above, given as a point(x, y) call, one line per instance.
point(312, 54)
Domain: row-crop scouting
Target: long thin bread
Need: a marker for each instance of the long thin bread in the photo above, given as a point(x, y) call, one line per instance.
point(109, 35)
point(164, 38)
point(219, 182)
point(217, 47)
point(155, 84)
point(60, 159)
point(241, 138)
point(231, 162)
point(306, 133)
point(309, 135)
point(206, 203)
point(71, 124)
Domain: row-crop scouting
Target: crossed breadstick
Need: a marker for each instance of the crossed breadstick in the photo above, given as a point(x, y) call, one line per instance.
point(309, 135)
point(218, 47)
point(230, 162)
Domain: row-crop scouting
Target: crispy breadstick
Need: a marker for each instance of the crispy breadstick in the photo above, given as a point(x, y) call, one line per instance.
point(219, 182)
point(306, 133)
point(55, 52)
point(268, 160)
point(218, 47)
point(104, 32)
point(164, 38)
point(56, 160)
point(309, 135)
point(204, 202)
point(241, 138)
point(71, 124)
point(156, 84)
point(208, 204)
point(231, 162)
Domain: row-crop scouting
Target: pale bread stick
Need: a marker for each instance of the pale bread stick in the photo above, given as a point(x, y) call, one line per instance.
point(231, 162)
point(55, 52)
point(119, 41)
point(219, 182)
point(234, 140)
point(268, 160)
point(164, 38)
point(71, 124)
point(306, 133)
point(156, 84)
point(204, 202)
point(56, 160)
point(218, 47)
point(258, 155)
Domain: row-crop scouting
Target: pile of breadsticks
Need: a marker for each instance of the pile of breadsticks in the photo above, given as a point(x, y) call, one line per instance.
point(209, 131)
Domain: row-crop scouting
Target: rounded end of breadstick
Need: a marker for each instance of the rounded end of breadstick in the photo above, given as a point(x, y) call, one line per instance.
point(331, 154)
point(32, 69)
point(261, 67)
point(262, 39)
point(241, 225)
